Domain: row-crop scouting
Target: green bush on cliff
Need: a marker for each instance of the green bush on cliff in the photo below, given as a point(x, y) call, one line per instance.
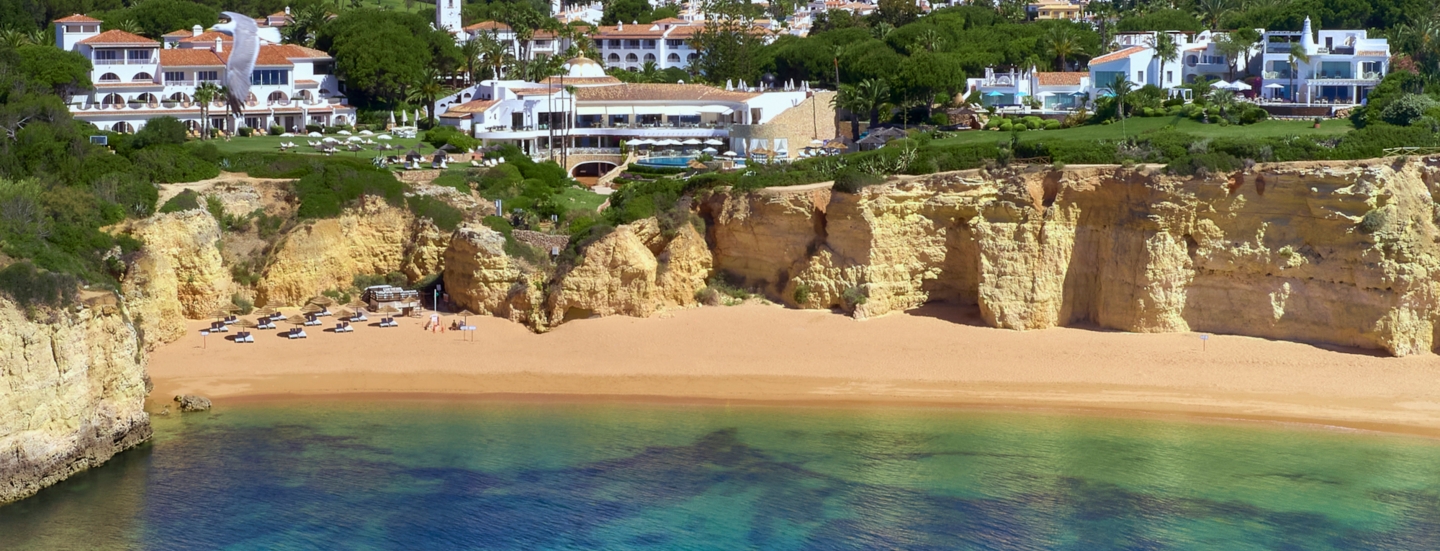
point(445, 216)
point(30, 287)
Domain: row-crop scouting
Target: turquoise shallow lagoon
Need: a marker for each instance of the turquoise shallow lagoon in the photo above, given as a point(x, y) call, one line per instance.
point(516, 475)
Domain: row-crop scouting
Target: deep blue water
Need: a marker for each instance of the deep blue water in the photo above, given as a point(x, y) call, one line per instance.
point(502, 475)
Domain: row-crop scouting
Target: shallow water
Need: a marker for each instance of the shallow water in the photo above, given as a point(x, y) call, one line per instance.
point(504, 475)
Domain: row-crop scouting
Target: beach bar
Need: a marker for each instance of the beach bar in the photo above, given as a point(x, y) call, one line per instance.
point(403, 300)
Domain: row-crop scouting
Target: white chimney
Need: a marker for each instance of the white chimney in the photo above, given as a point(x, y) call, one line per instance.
point(619, 25)
point(287, 10)
point(219, 46)
point(197, 30)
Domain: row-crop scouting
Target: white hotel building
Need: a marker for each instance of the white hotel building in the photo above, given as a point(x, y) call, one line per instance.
point(603, 113)
point(136, 78)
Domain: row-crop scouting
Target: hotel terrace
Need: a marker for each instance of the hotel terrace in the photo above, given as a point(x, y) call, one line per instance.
point(603, 113)
point(136, 78)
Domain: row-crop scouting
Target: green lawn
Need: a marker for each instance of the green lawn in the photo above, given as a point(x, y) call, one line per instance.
point(271, 144)
point(575, 198)
point(1135, 126)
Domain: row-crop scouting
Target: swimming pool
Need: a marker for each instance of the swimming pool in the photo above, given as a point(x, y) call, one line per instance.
point(678, 161)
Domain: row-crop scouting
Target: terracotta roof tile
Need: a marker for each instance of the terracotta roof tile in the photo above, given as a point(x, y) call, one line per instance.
point(307, 82)
point(472, 106)
point(1060, 79)
point(270, 56)
point(538, 91)
point(659, 92)
point(179, 34)
point(209, 36)
point(630, 31)
point(487, 26)
point(296, 51)
point(1122, 54)
point(580, 81)
point(77, 18)
point(189, 57)
point(1372, 52)
point(116, 36)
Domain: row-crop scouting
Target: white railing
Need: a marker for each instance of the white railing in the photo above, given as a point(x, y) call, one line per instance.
point(109, 61)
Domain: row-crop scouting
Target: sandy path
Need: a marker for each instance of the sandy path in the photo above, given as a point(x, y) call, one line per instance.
point(934, 355)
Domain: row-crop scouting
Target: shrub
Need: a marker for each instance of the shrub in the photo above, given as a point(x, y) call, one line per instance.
point(30, 287)
point(185, 200)
point(1006, 126)
point(852, 181)
point(1407, 109)
point(276, 130)
point(172, 164)
point(940, 119)
point(802, 294)
point(454, 180)
point(1052, 124)
point(393, 279)
point(1374, 220)
point(244, 304)
point(1254, 114)
point(445, 216)
point(313, 128)
point(853, 298)
point(244, 131)
point(443, 135)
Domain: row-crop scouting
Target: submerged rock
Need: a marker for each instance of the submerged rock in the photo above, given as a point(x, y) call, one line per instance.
point(192, 403)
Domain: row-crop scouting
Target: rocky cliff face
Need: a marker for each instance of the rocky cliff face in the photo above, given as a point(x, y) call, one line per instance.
point(373, 238)
point(636, 270)
point(72, 390)
point(1341, 253)
point(179, 274)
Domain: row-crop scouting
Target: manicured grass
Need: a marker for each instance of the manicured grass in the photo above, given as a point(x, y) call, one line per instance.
point(574, 199)
point(271, 144)
point(1137, 125)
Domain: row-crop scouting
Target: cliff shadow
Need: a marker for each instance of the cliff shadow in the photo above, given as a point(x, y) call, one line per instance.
point(957, 313)
point(959, 280)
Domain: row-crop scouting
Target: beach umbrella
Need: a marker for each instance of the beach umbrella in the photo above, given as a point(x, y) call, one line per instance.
point(713, 141)
point(231, 308)
point(312, 308)
point(392, 118)
point(729, 153)
point(404, 117)
point(1239, 86)
point(417, 116)
point(345, 313)
point(1274, 86)
point(247, 324)
point(710, 150)
point(994, 94)
point(266, 311)
point(1220, 84)
point(356, 304)
point(388, 309)
point(641, 141)
point(220, 314)
point(692, 141)
point(321, 300)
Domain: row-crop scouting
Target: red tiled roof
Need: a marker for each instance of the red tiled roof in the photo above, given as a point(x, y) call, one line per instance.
point(630, 31)
point(659, 92)
point(540, 91)
point(307, 82)
point(472, 106)
point(1060, 79)
point(189, 57)
point(1122, 54)
point(180, 33)
point(487, 26)
point(270, 56)
point(77, 18)
point(116, 36)
point(296, 51)
point(1371, 52)
point(209, 36)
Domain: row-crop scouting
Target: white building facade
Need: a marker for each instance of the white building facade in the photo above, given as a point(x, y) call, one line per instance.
point(1344, 66)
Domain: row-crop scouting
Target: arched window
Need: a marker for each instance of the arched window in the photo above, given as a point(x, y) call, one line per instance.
point(614, 58)
point(276, 96)
point(340, 120)
point(146, 98)
point(109, 77)
point(631, 58)
point(1191, 60)
point(142, 77)
point(673, 58)
point(250, 99)
point(691, 57)
point(305, 95)
point(112, 99)
point(123, 128)
point(649, 57)
point(179, 96)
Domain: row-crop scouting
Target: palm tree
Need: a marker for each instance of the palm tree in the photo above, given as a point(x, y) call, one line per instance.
point(930, 40)
point(205, 94)
point(1062, 43)
point(1297, 54)
point(426, 89)
point(14, 38)
point(1210, 11)
point(127, 25)
point(494, 52)
point(1166, 50)
point(1121, 89)
point(872, 95)
point(649, 72)
point(848, 99)
point(470, 51)
point(306, 24)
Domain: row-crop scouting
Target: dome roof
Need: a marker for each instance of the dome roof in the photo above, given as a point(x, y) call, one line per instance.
point(583, 67)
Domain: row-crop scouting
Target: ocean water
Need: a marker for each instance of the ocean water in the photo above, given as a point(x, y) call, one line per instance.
point(516, 475)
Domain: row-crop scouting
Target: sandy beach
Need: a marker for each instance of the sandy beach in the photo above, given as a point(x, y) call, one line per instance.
point(934, 355)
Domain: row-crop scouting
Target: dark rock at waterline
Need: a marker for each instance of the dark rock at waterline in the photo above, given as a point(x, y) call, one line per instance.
point(191, 402)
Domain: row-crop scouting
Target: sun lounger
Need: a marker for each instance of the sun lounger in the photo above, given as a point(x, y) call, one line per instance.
point(344, 328)
point(296, 333)
point(265, 323)
point(219, 327)
point(231, 320)
point(325, 312)
point(359, 317)
point(244, 337)
point(389, 322)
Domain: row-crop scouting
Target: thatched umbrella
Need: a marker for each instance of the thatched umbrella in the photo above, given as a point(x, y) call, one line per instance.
point(388, 309)
point(247, 324)
point(697, 165)
point(464, 314)
point(312, 309)
point(296, 320)
point(322, 300)
point(221, 314)
point(266, 311)
point(345, 313)
point(356, 304)
point(230, 308)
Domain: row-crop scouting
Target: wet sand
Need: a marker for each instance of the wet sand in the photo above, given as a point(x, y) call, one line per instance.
point(933, 356)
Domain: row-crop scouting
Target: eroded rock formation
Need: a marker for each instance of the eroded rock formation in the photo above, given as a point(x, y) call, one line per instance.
point(72, 391)
point(178, 274)
point(373, 238)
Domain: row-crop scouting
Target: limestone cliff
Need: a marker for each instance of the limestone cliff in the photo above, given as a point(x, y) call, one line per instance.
point(479, 276)
point(372, 238)
point(72, 391)
point(178, 274)
point(1342, 253)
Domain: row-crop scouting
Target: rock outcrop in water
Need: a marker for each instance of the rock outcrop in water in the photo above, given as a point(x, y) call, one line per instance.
point(72, 391)
point(1343, 253)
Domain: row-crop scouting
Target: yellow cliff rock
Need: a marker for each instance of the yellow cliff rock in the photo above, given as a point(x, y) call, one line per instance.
point(178, 274)
point(480, 277)
point(72, 392)
point(633, 271)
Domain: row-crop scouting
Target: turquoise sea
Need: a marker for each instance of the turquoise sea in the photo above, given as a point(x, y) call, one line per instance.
point(518, 475)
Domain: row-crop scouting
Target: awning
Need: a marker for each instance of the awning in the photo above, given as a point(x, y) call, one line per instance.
point(721, 109)
point(590, 110)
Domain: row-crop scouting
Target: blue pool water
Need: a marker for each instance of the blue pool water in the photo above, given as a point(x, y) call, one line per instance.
point(514, 475)
point(674, 162)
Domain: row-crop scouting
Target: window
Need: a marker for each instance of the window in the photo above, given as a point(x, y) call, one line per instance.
point(105, 57)
point(323, 68)
point(142, 77)
point(632, 43)
point(614, 58)
point(649, 44)
point(673, 43)
point(1169, 76)
point(138, 56)
point(174, 76)
point(1191, 60)
point(276, 96)
point(207, 76)
point(1214, 60)
point(1103, 79)
point(542, 43)
point(109, 77)
point(691, 57)
point(270, 76)
point(673, 58)
point(649, 58)
point(631, 58)
point(1141, 77)
point(614, 43)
